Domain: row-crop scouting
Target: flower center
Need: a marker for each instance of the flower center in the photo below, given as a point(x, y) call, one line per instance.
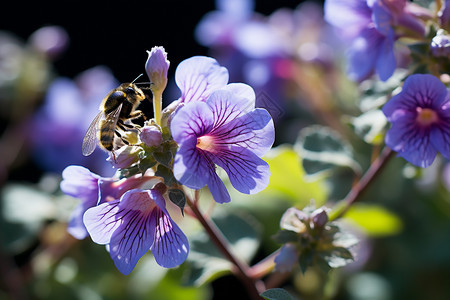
point(426, 116)
point(206, 143)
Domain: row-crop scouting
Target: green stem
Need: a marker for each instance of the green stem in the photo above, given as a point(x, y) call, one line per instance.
point(254, 287)
point(361, 186)
point(157, 106)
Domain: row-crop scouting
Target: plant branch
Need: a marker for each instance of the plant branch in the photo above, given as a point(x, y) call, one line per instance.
point(241, 270)
point(361, 186)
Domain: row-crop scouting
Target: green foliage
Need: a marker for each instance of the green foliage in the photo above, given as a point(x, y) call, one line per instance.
point(375, 220)
point(288, 178)
point(322, 150)
point(276, 294)
point(206, 262)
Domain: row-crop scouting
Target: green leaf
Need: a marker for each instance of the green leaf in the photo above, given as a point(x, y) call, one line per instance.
point(370, 126)
point(167, 174)
point(323, 149)
point(286, 236)
point(207, 262)
point(375, 220)
point(164, 158)
point(276, 294)
point(178, 198)
point(288, 177)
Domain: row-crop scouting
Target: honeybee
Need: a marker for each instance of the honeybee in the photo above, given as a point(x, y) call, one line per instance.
point(116, 108)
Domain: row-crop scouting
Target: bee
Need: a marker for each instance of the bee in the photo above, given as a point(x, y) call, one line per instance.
point(117, 111)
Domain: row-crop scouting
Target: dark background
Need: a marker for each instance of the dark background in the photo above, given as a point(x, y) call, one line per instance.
point(117, 33)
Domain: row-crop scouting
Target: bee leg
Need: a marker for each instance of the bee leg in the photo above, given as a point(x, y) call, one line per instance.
point(114, 157)
point(136, 114)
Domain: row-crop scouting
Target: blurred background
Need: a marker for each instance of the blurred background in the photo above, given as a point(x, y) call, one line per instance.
point(58, 61)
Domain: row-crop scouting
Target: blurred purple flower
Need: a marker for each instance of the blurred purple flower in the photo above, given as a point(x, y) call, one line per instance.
point(369, 25)
point(227, 131)
point(134, 224)
point(420, 117)
point(61, 123)
point(91, 189)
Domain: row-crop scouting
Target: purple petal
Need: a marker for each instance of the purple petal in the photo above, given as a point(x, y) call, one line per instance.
point(226, 107)
point(248, 173)
point(198, 76)
point(135, 235)
point(244, 92)
point(101, 221)
point(76, 226)
point(170, 247)
point(254, 131)
point(386, 63)
point(192, 120)
point(218, 189)
point(191, 166)
point(424, 90)
point(412, 143)
point(79, 182)
point(363, 54)
point(440, 139)
point(349, 15)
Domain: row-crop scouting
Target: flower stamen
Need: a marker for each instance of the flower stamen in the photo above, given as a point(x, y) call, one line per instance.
point(426, 116)
point(206, 143)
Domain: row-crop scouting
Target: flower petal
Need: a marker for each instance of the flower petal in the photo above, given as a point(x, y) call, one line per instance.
point(192, 120)
point(244, 92)
point(440, 139)
point(218, 189)
point(134, 237)
point(171, 246)
point(248, 173)
point(424, 90)
point(198, 76)
point(79, 182)
point(101, 221)
point(191, 167)
point(386, 63)
point(254, 131)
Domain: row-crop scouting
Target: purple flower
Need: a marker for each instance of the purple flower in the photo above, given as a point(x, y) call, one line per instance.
point(134, 224)
point(420, 117)
point(198, 76)
point(60, 124)
point(91, 189)
point(373, 37)
point(225, 131)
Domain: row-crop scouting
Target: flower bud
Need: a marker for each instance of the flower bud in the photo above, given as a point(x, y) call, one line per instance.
point(151, 136)
point(125, 156)
point(156, 67)
point(319, 218)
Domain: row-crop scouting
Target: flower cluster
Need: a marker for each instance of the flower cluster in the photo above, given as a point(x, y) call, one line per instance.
point(373, 26)
point(213, 124)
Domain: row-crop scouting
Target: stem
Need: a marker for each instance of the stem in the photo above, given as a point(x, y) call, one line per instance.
point(361, 186)
point(157, 105)
point(254, 287)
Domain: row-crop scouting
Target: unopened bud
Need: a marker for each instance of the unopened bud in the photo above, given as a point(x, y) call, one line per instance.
point(319, 218)
point(151, 136)
point(156, 67)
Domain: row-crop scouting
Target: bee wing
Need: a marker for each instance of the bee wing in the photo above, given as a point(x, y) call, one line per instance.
point(90, 139)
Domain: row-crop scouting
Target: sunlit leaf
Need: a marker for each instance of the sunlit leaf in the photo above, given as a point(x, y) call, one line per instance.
point(374, 219)
point(288, 177)
point(370, 126)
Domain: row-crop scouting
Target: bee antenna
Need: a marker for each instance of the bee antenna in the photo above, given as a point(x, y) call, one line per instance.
point(137, 77)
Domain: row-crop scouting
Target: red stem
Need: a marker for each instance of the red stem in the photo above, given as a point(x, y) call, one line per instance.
point(254, 287)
